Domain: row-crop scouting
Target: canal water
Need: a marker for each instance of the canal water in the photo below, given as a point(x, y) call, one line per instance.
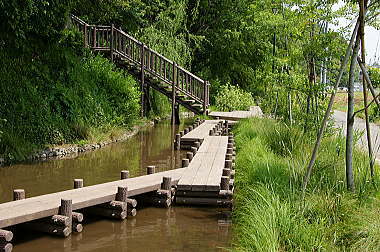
point(153, 229)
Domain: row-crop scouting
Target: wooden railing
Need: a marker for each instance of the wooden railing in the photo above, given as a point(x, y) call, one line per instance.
point(122, 45)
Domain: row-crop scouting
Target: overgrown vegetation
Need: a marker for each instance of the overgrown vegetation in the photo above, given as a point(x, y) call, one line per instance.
point(231, 98)
point(270, 214)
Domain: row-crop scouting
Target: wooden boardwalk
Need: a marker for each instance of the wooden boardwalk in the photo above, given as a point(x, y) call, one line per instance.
point(206, 179)
point(205, 171)
point(255, 111)
point(198, 134)
point(15, 212)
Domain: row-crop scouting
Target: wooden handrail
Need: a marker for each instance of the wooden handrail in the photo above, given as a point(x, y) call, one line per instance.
point(118, 42)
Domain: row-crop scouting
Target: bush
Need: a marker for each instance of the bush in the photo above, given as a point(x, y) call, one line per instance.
point(231, 98)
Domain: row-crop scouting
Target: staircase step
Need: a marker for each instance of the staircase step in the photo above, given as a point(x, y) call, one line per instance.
point(189, 101)
point(197, 105)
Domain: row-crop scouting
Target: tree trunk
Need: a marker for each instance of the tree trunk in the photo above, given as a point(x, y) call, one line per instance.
point(328, 110)
point(363, 6)
point(350, 118)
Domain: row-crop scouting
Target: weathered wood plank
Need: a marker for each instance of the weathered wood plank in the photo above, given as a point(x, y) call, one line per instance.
point(20, 211)
point(200, 180)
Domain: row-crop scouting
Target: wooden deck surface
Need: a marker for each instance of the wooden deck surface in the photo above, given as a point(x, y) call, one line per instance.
point(200, 132)
point(15, 212)
point(205, 170)
point(237, 115)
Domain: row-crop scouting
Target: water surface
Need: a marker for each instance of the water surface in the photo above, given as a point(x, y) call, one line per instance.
point(153, 229)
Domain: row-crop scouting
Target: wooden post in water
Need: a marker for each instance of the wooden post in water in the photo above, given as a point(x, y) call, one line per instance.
point(18, 194)
point(124, 174)
point(189, 156)
point(185, 162)
point(177, 141)
point(5, 239)
point(122, 193)
point(66, 209)
point(78, 183)
point(194, 150)
point(197, 144)
point(186, 131)
point(211, 133)
point(225, 183)
point(150, 169)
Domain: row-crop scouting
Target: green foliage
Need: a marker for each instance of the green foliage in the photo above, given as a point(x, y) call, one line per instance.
point(270, 214)
point(374, 74)
point(22, 22)
point(231, 98)
point(58, 97)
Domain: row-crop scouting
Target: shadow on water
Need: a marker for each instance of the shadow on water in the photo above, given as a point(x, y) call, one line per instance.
point(153, 229)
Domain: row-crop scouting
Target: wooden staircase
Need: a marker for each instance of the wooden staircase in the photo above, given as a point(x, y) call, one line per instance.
point(153, 69)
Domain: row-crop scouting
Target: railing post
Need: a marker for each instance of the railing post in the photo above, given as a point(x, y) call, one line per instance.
point(112, 42)
point(174, 89)
point(205, 86)
point(142, 78)
point(85, 35)
point(94, 37)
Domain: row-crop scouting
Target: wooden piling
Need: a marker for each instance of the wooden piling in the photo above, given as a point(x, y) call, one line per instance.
point(108, 213)
point(132, 203)
point(225, 183)
point(189, 156)
point(115, 205)
point(230, 145)
point(78, 183)
point(185, 162)
point(211, 133)
point(194, 150)
point(177, 141)
point(226, 172)
point(229, 157)
point(122, 192)
point(150, 169)
point(77, 217)
point(181, 133)
point(230, 151)
point(197, 144)
point(166, 183)
point(186, 131)
point(6, 247)
point(5, 236)
point(18, 194)
point(124, 174)
point(228, 164)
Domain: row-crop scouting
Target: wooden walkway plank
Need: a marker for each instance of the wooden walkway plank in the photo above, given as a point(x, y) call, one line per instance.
point(188, 175)
point(15, 212)
point(200, 181)
point(213, 181)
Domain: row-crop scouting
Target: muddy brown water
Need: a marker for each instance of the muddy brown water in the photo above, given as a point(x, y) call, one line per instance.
point(153, 229)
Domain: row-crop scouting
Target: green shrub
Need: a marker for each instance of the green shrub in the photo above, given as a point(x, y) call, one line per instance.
point(231, 98)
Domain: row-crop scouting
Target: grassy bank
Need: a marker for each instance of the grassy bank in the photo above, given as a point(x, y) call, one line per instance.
point(270, 214)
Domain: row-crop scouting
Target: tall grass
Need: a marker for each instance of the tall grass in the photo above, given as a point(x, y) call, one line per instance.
point(270, 214)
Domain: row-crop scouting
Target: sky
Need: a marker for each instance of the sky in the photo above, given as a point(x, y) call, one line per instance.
point(372, 37)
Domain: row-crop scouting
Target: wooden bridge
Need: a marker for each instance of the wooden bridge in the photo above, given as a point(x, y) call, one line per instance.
point(206, 178)
point(153, 69)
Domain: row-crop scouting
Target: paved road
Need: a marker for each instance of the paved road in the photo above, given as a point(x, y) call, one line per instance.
point(340, 119)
